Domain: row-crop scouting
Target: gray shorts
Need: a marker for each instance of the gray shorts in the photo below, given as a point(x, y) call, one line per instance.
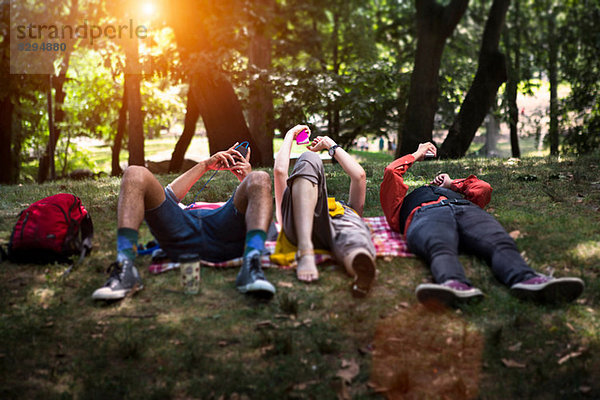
point(341, 234)
point(215, 235)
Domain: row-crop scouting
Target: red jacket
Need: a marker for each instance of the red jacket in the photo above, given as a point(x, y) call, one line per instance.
point(393, 190)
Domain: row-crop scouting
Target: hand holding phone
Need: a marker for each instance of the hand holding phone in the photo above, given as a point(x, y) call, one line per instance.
point(242, 149)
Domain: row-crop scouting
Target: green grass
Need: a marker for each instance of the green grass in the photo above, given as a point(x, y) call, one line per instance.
point(55, 342)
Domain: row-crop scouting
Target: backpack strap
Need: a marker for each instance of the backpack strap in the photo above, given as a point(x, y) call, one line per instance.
point(87, 233)
point(3, 254)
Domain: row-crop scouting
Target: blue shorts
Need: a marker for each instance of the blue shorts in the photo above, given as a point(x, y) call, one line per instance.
point(215, 235)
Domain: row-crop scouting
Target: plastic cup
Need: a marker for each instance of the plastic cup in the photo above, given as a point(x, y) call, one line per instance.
point(190, 273)
point(302, 137)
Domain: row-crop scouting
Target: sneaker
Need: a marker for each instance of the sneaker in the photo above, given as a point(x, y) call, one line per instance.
point(251, 278)
point(546, 289)
point(364, 275)
point(124, 277)
point(447, 294)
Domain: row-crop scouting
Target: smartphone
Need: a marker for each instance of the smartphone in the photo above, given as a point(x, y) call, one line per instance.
point(302, 137)
point(242, 149)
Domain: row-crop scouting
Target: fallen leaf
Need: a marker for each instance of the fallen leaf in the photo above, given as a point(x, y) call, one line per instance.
point(573, 354)
point(223, 343)
point(266, 324)
point(570, 327)
point(508, 363)
point(515, 235)
point(285, 284)
point(349, 370)
point(266, 349)
point(585, 389)
point(515, 347)
point(304, 385)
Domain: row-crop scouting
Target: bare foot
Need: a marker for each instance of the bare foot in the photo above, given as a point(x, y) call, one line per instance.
point(306, 270)
point(360, 265)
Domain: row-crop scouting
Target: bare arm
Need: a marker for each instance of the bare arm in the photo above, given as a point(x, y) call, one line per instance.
point(358, 178)
point(221, 160)
point(282, 165)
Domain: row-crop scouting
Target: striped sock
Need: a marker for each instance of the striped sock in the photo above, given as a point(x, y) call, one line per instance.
point(126, 243)
point(255, 240)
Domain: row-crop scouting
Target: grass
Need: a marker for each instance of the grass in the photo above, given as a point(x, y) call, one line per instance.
point(314, 341)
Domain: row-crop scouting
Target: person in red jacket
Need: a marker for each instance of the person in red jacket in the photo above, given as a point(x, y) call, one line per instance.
point(447, 215)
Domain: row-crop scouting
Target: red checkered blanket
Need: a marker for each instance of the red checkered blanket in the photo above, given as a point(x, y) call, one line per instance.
point(387, 244)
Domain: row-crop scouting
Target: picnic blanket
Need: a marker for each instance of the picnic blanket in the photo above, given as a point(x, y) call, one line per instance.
point(387, 244)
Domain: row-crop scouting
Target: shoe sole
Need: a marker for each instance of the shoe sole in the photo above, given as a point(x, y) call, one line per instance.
point(435, 296)
point(557, 290)
point(259, 288)
point(364, 268)
point(108, 294)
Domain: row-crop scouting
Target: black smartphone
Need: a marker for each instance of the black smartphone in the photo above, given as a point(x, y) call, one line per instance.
point(243, 150)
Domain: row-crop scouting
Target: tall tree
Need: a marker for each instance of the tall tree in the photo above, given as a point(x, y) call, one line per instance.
point(553, 79)
point(260, 98)
point(135, 126)
point(58, 84)
point(206, 34)
point(116, 169)
point(192, 113)
point(6, 101)
point(435, 24)
point(491, 73)
point(512, 44)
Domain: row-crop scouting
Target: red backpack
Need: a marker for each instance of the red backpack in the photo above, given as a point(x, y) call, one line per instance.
point(52, 229)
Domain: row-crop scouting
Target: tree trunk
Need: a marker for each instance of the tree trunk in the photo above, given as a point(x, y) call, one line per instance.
point(491, 73)
point(192, 113)
point(553, 77)
point(514, 77)
point(435, 23)
point(221, 112)
point(116, 169)
point(6, 137)
point(60, 95)
point(134, 104)
point(492, 130)
point(260, 110)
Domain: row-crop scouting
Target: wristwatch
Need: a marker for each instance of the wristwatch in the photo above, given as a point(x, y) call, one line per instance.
point(332, 150)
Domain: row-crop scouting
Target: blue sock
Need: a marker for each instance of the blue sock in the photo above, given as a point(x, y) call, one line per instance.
point(255, 240)
point(126, 243)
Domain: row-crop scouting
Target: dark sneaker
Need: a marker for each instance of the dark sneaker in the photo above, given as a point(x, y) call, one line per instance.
point(447, 294)
point(547, 289)
point(124, 277)
point(251, 278)
point(364, 270)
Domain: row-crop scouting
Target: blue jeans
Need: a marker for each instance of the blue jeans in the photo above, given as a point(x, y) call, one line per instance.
point(437, 234)
point(215, 235)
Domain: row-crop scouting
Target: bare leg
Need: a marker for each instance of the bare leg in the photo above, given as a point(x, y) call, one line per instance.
point(140, 191)
point(253, 198)
point(304, 201)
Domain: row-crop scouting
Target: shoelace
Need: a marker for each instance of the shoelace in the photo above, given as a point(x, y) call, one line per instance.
point(114, 269)
point(255, 266)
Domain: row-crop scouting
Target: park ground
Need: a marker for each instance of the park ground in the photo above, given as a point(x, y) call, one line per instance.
point(315, 341)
